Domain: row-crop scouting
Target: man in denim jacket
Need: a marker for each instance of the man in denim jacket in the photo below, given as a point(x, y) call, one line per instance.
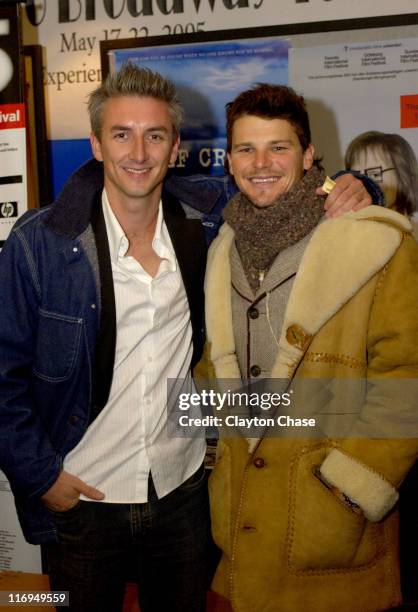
point(103, 302)
point(66, 331)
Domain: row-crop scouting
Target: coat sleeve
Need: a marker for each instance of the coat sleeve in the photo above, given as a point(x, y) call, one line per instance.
point(26, 456)
point(369, 465)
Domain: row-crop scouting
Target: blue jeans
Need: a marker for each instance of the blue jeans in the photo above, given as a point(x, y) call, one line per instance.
point(163, 544)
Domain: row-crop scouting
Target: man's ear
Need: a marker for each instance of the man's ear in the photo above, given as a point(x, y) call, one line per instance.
point(96, 147)
point(175, 150)
point(308, 157)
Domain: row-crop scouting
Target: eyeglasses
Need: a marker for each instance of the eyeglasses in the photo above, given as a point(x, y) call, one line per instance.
point(376, 174)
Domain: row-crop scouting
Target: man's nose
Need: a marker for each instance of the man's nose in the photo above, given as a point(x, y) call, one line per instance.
point(138, 150)
point(261, 159)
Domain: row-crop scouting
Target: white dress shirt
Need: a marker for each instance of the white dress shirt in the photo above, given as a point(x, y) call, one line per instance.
point(128, 439)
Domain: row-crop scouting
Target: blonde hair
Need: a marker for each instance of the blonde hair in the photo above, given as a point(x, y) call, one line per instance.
point(133, 81)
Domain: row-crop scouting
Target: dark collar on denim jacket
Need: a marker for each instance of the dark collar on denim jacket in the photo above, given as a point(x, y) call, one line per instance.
point(72, 210)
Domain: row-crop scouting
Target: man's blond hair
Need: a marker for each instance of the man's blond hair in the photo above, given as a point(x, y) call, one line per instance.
point(133, 81)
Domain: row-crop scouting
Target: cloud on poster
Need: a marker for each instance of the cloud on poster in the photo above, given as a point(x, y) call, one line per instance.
point(241, 75)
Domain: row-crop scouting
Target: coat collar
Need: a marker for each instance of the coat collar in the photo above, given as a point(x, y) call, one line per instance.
point(73, 208)
point(342, 255)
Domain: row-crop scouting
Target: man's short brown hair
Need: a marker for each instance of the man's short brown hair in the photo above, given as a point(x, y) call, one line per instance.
point(270, 102)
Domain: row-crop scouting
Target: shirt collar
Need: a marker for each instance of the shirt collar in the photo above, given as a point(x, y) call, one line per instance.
point(161, 242)
point(119, 244)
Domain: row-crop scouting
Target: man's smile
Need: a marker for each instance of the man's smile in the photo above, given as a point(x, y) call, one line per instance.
point(262, 180)
point(136, 171)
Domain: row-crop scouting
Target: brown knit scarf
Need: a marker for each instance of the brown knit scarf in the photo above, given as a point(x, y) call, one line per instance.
point(261, 233)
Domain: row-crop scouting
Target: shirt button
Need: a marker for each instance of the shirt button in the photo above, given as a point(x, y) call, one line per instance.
point(93, 306)
point(255, 371)
point(73, 419)
point(75, 249)
point(253, 313)
point(259, 462)
point(149, 359)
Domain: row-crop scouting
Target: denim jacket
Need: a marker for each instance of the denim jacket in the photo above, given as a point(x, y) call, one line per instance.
point(51, 306)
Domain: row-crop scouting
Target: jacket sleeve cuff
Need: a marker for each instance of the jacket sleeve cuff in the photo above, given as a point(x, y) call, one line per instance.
point(373, 189)
point(375, 495)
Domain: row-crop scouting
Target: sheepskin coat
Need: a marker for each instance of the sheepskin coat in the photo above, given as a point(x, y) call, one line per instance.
point(291, 541)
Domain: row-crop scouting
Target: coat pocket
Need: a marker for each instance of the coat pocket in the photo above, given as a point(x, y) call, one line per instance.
point(324, 533)
point(57, 346)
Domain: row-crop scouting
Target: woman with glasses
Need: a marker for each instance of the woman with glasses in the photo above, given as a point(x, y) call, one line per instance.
point(389, 160)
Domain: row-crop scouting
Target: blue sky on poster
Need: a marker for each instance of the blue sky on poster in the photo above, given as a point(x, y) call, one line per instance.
point(208, 75)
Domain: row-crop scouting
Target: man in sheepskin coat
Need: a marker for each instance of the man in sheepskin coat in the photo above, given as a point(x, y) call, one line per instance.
point(309, 523)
